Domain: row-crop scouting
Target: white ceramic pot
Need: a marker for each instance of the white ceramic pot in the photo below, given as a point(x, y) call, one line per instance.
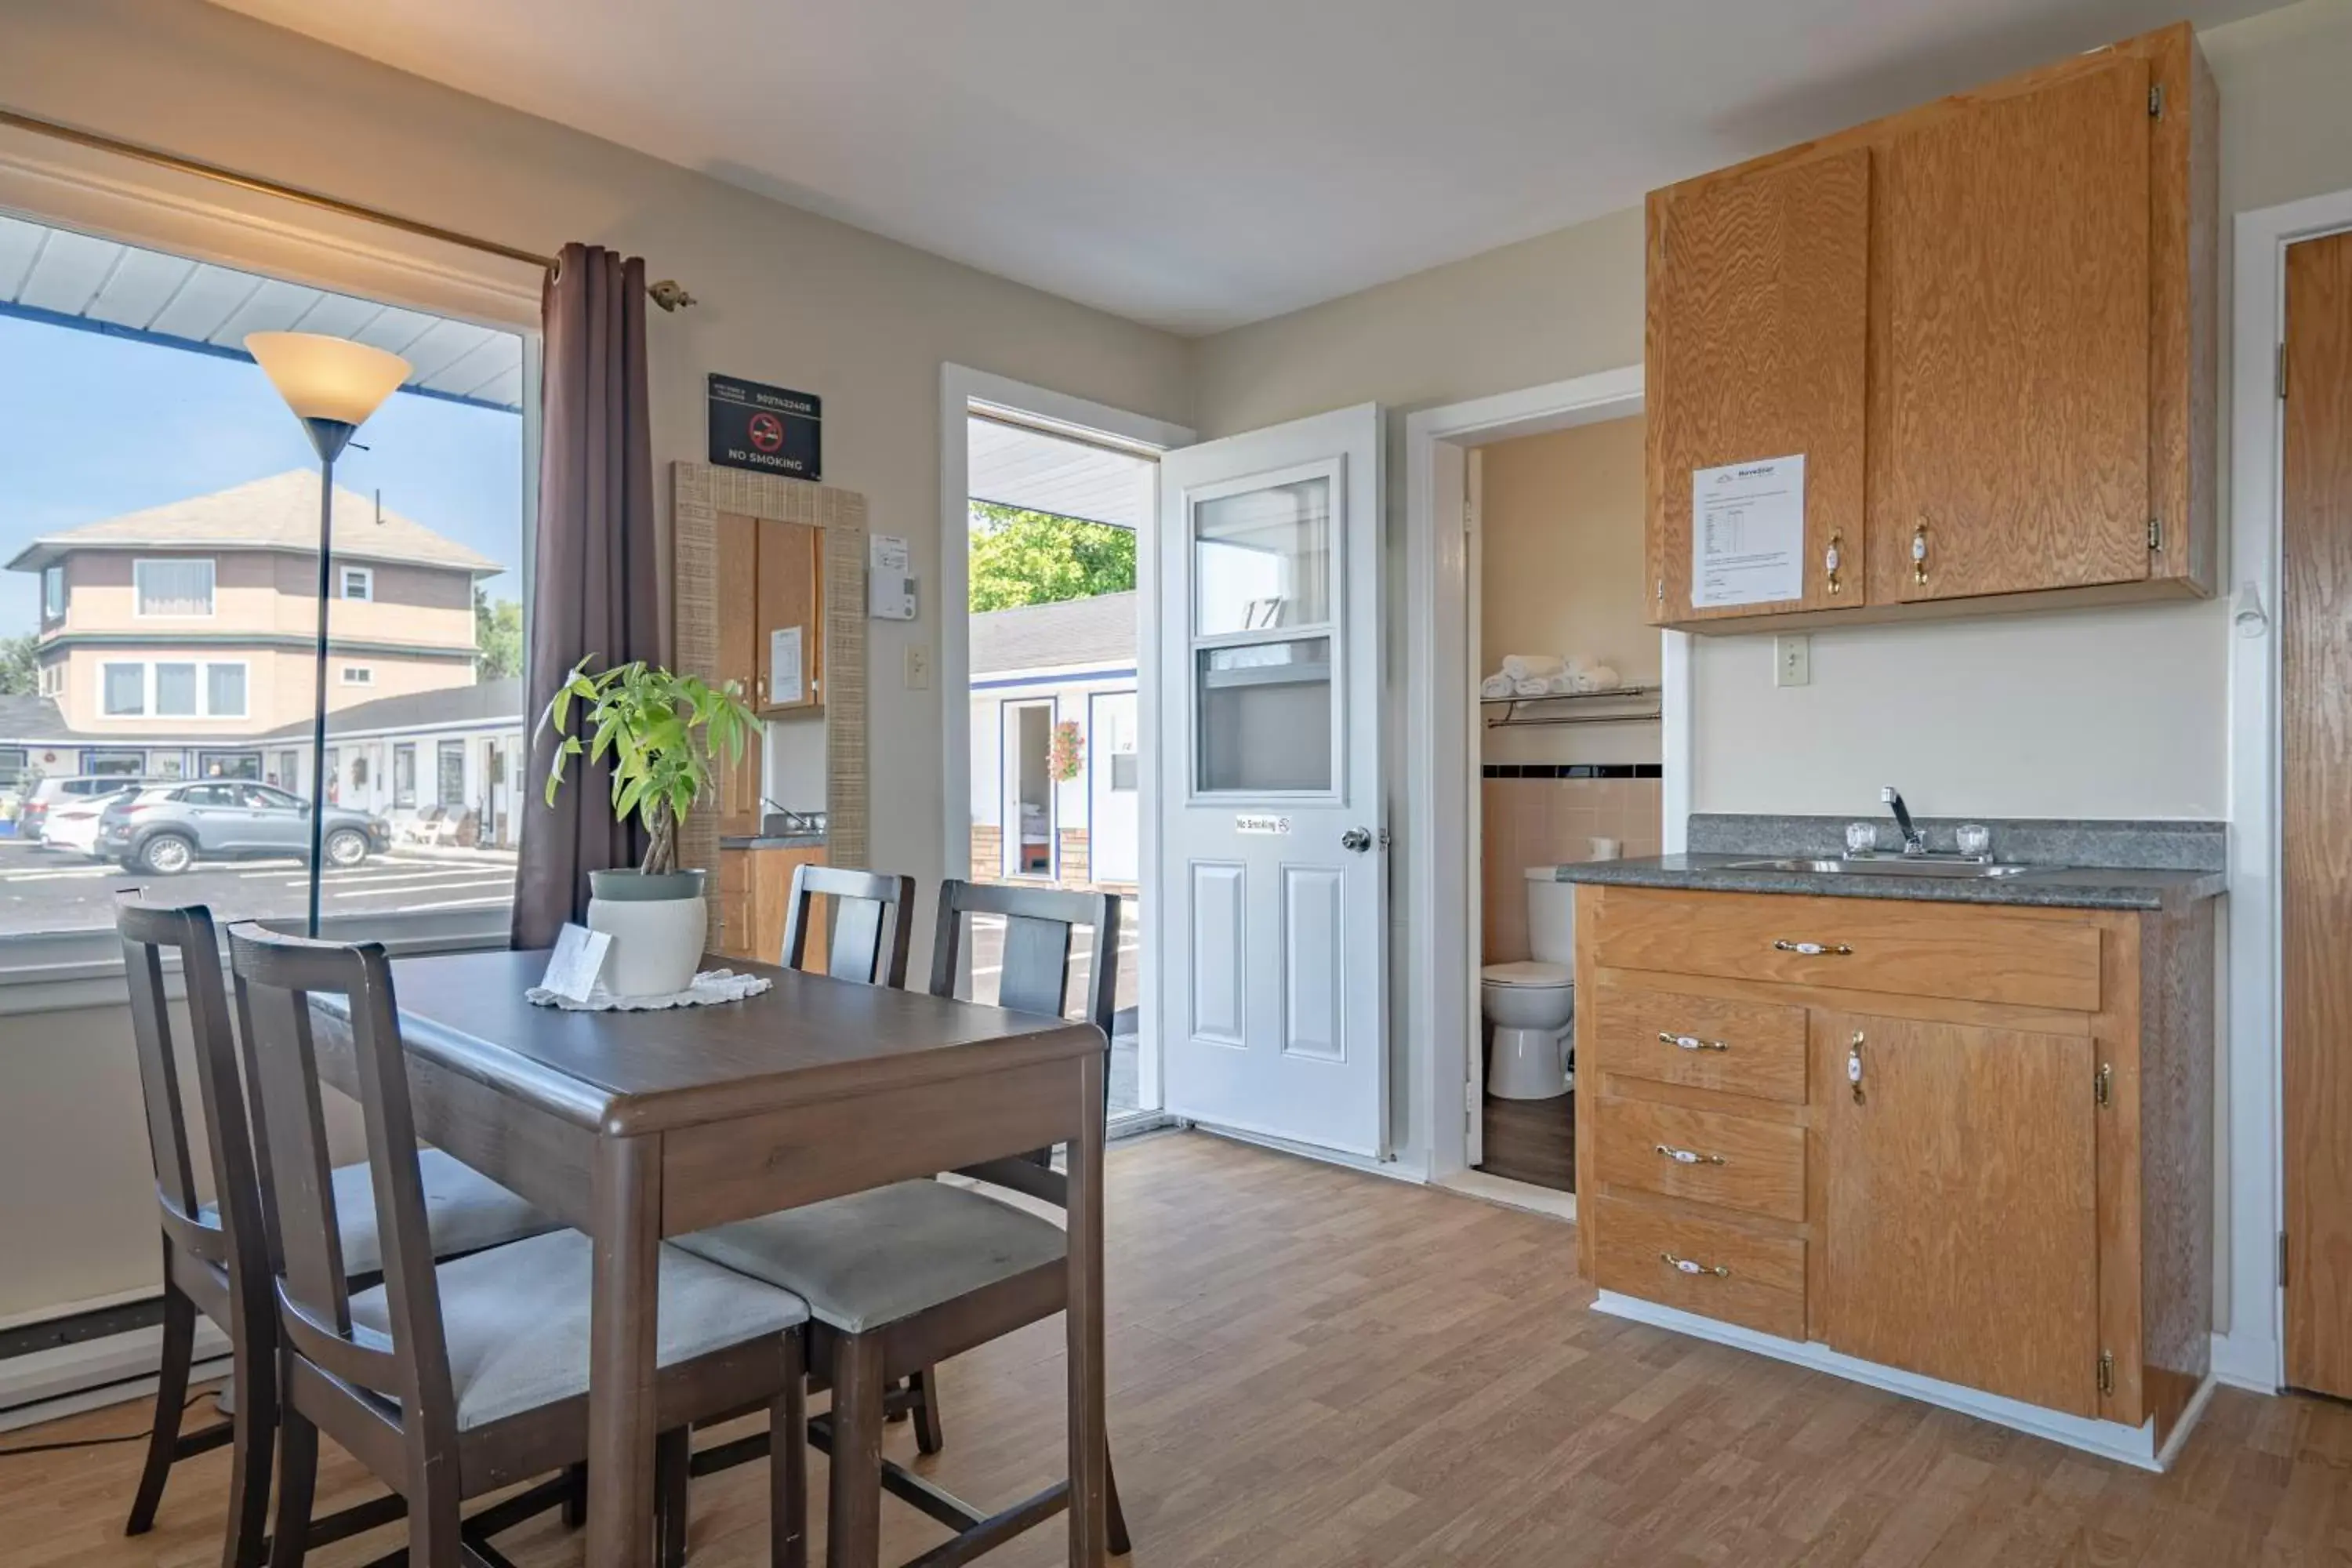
point(657, 925)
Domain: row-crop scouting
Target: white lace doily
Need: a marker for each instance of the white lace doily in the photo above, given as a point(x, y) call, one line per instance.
point(710, 985)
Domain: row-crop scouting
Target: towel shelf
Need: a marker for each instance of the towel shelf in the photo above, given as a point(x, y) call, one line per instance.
point(1546, 712)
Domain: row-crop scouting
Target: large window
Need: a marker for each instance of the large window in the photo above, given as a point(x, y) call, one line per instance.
point(162, 608)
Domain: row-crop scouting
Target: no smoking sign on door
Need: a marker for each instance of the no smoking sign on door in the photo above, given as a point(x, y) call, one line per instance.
point(769, 429)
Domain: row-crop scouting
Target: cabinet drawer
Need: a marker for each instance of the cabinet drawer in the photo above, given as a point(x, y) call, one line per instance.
point(1700, 1042)
point(1855, 944)
point(1733, 1162)
point(1763, 1282)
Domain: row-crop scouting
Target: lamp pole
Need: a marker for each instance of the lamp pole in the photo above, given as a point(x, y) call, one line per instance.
point(329, 444)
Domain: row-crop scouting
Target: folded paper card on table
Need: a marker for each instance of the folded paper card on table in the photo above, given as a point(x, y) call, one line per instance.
point(709, 986)
point(573, 966)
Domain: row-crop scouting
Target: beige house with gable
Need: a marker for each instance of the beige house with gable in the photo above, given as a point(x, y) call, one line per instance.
point(200, 616)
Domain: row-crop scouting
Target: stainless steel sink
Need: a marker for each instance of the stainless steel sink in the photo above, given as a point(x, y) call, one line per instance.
point(1946, 865)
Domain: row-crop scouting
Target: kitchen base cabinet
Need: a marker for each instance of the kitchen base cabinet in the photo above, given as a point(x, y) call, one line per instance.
point(1959, 1150)
point(755, 889)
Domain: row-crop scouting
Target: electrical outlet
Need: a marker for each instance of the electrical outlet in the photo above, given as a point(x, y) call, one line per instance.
point(1793, 660)
point(918, 667)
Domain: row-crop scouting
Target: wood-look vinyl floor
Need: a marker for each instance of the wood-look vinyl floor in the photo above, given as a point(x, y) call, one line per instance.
point(1314, 1368)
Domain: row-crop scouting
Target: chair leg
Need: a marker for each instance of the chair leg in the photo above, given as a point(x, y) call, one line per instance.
point(1121, 1543)
point(297, 1478)
point(575, 1500)
point(852, 1519)
point(930, 1437)
point(673, 1454)
point(170, 1395)
point(255, 1424)
point(788, 1504)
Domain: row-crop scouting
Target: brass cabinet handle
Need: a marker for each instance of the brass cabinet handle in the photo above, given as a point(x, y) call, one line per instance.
point(1815, 949)
point(1692, 1266)
point(1919, 552)
point(1833, 560)
point(1690, 1042)
point(1690, 1156)
point(1853, 1066)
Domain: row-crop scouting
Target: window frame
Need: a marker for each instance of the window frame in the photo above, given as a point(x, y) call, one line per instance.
point(403, 796)
point(106, 668)
point(366, 576)
point(356, 675)
point(444, 751)
point(139, 610)
point(53, 576)
point(148, 685)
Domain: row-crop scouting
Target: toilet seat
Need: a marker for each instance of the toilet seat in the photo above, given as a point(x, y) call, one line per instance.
point(1531, 974)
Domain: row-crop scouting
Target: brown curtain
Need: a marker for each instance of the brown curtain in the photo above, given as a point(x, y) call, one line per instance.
point(596, 588)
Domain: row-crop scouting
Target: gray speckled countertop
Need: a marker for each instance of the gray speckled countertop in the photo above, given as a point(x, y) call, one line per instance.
point(2082, 865)
point(773, 841)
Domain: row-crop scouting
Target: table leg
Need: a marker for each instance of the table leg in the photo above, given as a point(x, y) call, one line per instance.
point(853, 1523)
point(626, 1205)
point(1090, 1441)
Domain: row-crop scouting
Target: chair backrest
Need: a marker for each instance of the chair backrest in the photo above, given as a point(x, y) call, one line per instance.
point(1034, 978)
point(232, 1237)
point(277, 976)
point(873, 916)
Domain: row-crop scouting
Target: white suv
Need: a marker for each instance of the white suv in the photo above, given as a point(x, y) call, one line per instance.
point(46, 794)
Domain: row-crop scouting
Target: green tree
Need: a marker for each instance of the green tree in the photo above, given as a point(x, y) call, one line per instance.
point(498, 634)
point(1020, 557)
point(20, 670)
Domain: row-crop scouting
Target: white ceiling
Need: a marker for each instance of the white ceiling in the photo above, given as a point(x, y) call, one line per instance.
point(1200, 163)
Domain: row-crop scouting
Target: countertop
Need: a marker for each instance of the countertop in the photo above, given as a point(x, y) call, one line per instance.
point(2081, 888)
point(773, 841)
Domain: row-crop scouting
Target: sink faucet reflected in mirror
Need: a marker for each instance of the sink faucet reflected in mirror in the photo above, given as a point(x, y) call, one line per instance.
point(1914, 841)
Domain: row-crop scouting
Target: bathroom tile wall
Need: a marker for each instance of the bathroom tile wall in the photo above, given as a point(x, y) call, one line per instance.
point(1544, 822)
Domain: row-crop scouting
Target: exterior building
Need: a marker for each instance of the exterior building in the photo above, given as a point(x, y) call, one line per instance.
point(1038, 670)
point(454, 756)
point(195, 622)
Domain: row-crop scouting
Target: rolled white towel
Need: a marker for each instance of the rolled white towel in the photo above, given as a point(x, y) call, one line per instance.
point(1495, 686)
point(1559, 685)
point(1530, 687)
point(1532, 665)
point(1604, 678)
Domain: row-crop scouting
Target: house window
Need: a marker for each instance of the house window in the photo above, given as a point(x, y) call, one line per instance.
point(224, 691)
point(359, 582)
point(13, 763)
point(53, 593)
point(1123, 771)
point(289, 768)
point(53, 679)
point(359, 674)
point(175, 691)
point(449, 783)
point(228, 764)
point(114, 764)
point(123, 690)
point(173, 588)
point(403, 774)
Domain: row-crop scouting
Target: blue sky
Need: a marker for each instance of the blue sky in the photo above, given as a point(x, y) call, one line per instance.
point(93, 427)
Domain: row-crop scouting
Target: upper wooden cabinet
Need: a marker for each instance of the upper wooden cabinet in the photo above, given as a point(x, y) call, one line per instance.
point(1989, 326)
point(771, 581)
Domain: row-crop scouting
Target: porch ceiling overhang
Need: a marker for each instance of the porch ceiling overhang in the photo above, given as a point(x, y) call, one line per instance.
point(1015, 465)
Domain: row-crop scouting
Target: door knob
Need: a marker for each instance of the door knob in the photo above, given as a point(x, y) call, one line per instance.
point(1358, 840)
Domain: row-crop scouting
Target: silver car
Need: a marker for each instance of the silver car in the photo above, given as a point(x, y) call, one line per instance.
point(166, 829)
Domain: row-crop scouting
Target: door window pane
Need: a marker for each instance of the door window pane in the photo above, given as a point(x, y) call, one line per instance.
point(1263, 717)
point(224, 691)
point(449, 785)
point(125, 687)
point(403, 774)
point(175, 690)
point(1262, 559)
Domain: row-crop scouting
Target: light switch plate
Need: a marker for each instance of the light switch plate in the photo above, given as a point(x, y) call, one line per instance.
point(918, 667)
point(1792, 659)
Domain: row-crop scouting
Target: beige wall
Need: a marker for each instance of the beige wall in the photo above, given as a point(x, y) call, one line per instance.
point(279, 686)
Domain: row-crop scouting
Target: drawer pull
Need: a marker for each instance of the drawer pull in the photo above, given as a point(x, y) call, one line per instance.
point(1815, 949)
point(1692, 1266)
point(1690, 1042)
point(1690, 1156)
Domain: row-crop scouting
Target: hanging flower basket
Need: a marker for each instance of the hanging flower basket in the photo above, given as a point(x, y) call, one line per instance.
point(1069, 757)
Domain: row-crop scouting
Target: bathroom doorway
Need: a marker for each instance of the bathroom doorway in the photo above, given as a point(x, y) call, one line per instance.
point(1028, 791)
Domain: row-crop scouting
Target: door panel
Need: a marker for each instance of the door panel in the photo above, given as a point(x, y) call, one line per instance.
point(1114, 780)
point(1757, 347)
point(2316, 626)
point(738, 615)
point(1962, 1221)
point(1271, 793)
point(2014, 247)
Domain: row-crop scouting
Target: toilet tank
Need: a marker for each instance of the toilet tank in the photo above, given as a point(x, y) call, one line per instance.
point(1551, 917)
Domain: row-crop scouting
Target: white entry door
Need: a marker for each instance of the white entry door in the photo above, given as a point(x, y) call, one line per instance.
point(1113, 828)
point(1273, 823)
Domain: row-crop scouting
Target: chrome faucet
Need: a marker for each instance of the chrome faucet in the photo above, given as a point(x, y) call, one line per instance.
point(1914, 841)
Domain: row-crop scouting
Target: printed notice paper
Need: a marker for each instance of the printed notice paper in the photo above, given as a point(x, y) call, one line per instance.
point(784, 665)
point(578, 959)
point(1748, 533)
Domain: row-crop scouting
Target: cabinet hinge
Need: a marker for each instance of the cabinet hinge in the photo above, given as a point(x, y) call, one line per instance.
point(2103, 1084)
point(2155, 101)
point(1662, 590)
point(2106, 1372)
point(2155, 535)
point(2282, 371)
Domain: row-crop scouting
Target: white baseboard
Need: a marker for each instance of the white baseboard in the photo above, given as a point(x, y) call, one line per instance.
point(45, 1384)
point(2134, 1446)
point(2246, 1361)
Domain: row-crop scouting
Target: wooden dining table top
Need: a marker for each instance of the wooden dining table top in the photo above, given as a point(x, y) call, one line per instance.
point(809, 1037)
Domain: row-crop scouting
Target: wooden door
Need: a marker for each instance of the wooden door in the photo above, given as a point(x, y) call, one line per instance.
point(2011, 392)
point(1757, 347)
point(788, 618)
point(1962, 1221)
point(2316, 653)
point(738, 595)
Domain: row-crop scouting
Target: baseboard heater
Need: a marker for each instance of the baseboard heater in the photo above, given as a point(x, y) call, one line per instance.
point(82, 1360)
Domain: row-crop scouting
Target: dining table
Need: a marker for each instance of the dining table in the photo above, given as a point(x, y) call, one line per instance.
point(633, 1126)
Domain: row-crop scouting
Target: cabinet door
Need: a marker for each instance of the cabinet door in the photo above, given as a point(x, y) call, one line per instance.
point(1962, 1221)
point(788, 605)
point(2012, 436)
point(739, 547)
point(1757, 347)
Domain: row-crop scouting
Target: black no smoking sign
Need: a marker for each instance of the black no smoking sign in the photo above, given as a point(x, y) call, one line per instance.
point(770, 429)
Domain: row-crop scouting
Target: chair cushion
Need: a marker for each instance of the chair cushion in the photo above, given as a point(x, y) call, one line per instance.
point(465, 1211)
point(873, 1258)
point(516, 1319)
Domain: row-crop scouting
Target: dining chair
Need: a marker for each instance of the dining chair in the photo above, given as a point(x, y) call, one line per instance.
point(872, 918)
point(906, 1275)
point(453, 1379)
point(216, 1253)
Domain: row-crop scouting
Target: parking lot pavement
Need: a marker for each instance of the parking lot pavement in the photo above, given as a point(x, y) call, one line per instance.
point(56, 891)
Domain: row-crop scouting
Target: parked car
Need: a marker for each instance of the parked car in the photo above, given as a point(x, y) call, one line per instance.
point(45, 794)
point(71, 823)
point(168, 829)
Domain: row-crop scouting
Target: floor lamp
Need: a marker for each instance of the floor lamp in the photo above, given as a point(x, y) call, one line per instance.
point(333, 384)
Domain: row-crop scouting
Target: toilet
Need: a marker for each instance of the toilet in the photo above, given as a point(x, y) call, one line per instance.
point(1531, 1005)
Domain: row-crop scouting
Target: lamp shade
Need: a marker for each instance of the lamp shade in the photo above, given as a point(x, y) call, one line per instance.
point(327, 378)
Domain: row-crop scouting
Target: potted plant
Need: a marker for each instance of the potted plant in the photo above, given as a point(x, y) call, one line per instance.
point(662, 731)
